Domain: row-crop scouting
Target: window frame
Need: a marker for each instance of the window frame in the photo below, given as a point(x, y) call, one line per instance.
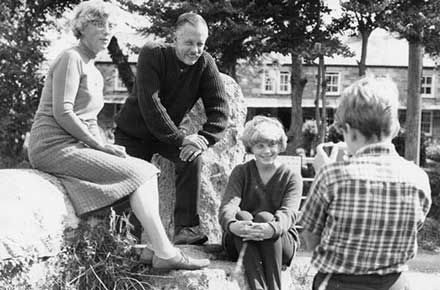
point(288, 84)
point(338, 84)
point(117, 82)
point(432, 86)
point(431, 118)
point(268, 74)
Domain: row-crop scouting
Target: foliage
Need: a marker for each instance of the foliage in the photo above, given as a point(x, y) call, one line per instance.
point(246, 29)
point(97, 255)
point(399, 143)
point(434, 180)
point(310, 133)
point(233, 35)
point(433, 151)
point(429, 236)
point(361, 17)
point(22, 24)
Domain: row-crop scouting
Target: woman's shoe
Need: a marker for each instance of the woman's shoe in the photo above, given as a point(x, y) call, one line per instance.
point(179, 262)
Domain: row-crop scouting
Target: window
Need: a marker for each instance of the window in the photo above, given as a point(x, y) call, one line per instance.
point(426, 122)
point(426, 88)
point(332, 79)
point(119, 84)
point(269, 81)
point(285, 82)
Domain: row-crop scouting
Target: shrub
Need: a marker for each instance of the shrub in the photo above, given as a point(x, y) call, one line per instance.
point(399, 142)
point(433, 151)
point(434, 180)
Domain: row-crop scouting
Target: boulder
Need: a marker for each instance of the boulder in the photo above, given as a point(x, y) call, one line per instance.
point(44, 245)
point(218, 161)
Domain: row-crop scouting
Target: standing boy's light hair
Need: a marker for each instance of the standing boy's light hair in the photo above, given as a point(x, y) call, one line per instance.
point(264, 129)
point(370, 105)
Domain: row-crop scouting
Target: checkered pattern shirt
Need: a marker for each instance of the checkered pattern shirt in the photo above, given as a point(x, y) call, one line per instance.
point(367, 211)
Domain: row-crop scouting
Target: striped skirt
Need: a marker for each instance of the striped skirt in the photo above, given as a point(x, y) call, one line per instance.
point(93, 179)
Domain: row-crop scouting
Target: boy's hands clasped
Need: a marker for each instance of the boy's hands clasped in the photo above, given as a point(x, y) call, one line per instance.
point(251, 231)
point(193, 145)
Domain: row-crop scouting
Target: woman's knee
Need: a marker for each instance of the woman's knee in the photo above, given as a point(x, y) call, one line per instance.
point(263, 217)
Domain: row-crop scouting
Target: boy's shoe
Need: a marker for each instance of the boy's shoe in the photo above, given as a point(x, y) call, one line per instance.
point(179, 262)
point(189, 236)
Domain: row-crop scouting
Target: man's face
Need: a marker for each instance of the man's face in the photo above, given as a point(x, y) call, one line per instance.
point(190, 42)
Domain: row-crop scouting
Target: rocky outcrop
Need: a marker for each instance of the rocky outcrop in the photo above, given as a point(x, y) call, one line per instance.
point(218, 161)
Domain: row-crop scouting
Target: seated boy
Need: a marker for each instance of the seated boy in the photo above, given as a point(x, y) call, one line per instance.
point(362, 215)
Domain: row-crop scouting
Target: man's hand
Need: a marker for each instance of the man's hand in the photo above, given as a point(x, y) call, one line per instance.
point(114, 150)
point(189, 152)
point(196, 140)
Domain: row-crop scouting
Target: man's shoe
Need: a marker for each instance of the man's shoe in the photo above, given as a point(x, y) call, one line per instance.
point(189, 236)
point(179, 262)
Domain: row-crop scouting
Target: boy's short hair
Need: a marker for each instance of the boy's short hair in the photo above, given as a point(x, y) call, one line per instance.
point(370, 105)
point(88, 12)
point(263, 129)
point(191, 18)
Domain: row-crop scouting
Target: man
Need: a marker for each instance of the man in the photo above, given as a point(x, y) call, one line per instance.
point(170, 79)
point(362, 215)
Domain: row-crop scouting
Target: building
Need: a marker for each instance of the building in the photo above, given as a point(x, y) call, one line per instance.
point(266, 87)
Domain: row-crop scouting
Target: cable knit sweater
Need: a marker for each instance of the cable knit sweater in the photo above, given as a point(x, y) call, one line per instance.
point(166, 89)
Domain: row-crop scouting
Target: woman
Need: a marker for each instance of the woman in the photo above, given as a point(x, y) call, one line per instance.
point(258, 211)
point(65, 140)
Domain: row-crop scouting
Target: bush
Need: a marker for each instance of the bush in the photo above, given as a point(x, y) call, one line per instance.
point(399, 142)
point(433, 151)
point(434, 180)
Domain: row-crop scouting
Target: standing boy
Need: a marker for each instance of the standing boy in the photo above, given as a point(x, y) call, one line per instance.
point(362, 215)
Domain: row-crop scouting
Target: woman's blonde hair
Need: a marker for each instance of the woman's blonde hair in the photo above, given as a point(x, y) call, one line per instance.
point(371, 106)
point(263, 129)
point(88, 12)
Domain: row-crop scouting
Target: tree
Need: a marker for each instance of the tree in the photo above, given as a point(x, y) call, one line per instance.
point(22, 24)
point(245, 29)
point(232, 33)
point(361, 17)
point(418, 22)
point(293, 28)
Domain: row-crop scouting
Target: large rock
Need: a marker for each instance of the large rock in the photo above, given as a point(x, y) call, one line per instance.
point(218, 161)
point(35, 214)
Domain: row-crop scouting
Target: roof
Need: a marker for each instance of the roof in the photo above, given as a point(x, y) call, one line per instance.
point(384, 49)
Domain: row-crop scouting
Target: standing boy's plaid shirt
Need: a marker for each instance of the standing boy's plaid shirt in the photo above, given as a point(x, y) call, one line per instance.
point(367, 211)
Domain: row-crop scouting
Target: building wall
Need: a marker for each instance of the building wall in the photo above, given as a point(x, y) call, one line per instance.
point(251, 77)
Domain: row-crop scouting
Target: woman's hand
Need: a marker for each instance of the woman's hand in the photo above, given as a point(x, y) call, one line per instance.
point(251, 231)
point(114, 150)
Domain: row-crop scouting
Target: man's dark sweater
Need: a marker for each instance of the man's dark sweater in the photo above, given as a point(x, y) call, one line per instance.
point(166, 89)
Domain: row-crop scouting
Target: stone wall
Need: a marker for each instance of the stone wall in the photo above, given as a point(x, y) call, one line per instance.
point(218, 161)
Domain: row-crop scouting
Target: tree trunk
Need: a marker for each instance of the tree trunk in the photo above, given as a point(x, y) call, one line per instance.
point(121, 61)
point(413, 103)
point(298, 82)
point(365, 34)
point(323, 128)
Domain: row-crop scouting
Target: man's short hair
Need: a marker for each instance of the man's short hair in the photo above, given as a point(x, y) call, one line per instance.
point(191, 18)
point(370, 105)
point(263, 129)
